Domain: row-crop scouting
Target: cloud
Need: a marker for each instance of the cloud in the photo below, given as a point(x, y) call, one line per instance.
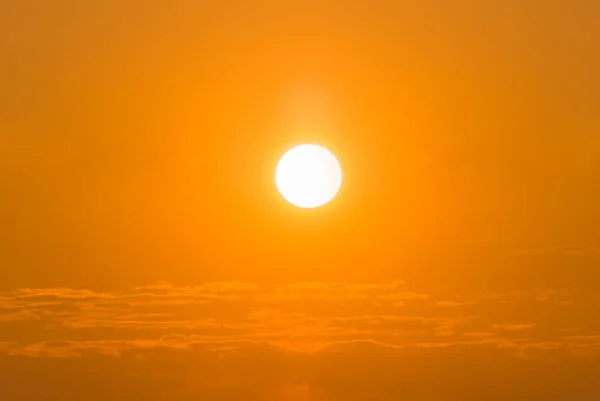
point(453, 304)
point(183, 367)
point(562, 250)
point(403, 296)
point(18, 316)
point(219, 288)
point(221, 340)
point(336, 291)
point(303, 317)
point(513, 326)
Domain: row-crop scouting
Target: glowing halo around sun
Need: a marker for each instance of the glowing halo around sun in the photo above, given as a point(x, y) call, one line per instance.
point(308, 176)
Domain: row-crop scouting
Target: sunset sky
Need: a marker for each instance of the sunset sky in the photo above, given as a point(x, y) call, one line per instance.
point(146, 254)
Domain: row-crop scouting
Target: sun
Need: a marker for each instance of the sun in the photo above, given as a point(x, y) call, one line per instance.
point(308, 176)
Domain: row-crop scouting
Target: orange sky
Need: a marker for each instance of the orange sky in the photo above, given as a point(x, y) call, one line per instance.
point(146, 255)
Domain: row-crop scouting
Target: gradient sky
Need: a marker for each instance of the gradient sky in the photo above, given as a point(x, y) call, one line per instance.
point(145, 254)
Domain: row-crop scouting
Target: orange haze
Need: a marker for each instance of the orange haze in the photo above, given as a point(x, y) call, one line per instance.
point(146, 254)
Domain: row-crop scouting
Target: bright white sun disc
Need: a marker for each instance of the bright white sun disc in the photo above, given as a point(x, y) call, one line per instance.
point(308, 176)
